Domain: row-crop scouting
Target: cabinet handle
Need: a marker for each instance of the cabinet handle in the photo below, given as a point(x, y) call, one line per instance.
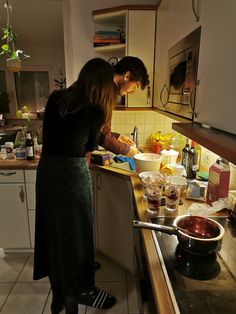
point(99, 181)
point(195, 11)
point(7, 174)
point(22, 194)
point(148, 96)
point(161, 95)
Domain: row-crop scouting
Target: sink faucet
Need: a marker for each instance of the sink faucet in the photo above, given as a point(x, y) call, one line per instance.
point(135, 136)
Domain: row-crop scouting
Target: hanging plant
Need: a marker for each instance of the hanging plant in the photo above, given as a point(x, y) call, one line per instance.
point(8, 48)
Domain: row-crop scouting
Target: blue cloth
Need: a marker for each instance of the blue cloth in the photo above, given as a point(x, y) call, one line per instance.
point(120, 158)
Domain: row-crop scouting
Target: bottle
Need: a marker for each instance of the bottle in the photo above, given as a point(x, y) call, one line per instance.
point(192, 166)
point(29, 147)
point(185, 155)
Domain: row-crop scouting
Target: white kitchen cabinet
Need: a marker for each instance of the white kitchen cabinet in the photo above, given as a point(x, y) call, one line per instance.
point(30, 179)
point(215, 99)
point(175, 20)
point(113, 217)
point(139, 29)
point(14, 223)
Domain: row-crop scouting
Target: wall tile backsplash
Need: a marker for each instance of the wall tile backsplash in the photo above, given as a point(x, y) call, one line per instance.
point(147, 122)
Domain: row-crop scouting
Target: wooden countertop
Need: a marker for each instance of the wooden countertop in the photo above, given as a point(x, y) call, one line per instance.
point(159, 285)
point(20, 164)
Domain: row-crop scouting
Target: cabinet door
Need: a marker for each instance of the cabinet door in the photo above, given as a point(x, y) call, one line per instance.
point(215, 99)
point(14, 226)
point(141, 44)
point(30, 178)
point(175, 20)
point(114, 214)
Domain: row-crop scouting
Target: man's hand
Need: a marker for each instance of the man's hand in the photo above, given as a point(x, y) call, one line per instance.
point(132, 151)
point(126, 140)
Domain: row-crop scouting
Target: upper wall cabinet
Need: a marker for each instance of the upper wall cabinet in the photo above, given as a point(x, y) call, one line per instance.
point(136, 26)
point(215, 98)
point(175, 21)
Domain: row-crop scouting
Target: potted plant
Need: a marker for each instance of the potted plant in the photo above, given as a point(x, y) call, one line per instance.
point(8, 47)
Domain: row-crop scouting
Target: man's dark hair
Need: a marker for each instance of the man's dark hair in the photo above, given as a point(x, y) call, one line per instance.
point(136, 67)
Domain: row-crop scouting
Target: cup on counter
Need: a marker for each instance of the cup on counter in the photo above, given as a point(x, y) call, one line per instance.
point(10, 150)
point(153, 194)
point(172, 194)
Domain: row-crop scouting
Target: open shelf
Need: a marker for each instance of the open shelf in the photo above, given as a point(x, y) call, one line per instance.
point(219, 142)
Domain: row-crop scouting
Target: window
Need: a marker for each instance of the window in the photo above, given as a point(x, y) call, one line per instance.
point(32, 89)
point(29, 87)
point(4, 100)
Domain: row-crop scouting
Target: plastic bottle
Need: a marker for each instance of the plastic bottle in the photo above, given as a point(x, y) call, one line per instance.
point(192, 166)
point(29, 147)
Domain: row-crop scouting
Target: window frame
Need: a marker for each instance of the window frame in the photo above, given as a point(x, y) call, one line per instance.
point(11, 87)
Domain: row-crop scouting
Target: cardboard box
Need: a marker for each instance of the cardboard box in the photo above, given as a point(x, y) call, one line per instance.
point(218, 182)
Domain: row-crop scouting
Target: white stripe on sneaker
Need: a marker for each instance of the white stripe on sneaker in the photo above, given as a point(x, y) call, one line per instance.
point(100, 299)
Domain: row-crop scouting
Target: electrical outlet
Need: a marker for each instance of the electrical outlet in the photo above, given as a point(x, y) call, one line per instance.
point(207, 157)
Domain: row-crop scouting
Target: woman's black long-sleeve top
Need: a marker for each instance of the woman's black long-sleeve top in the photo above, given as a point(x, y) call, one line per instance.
point(72, 135)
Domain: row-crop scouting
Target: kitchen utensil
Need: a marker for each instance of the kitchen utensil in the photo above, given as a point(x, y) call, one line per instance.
point(196, 234)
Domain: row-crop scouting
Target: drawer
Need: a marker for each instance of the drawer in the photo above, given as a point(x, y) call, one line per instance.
point(11, 176)
point(30, 175)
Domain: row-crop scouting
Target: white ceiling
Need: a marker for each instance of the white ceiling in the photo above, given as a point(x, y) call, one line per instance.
point(38, 22)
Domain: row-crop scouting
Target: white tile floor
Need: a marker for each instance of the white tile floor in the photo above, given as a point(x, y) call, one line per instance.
point(19, 294)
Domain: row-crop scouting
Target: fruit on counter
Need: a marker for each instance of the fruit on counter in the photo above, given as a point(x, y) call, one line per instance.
point(163, 139)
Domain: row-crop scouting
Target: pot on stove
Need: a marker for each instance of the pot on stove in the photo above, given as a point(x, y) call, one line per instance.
point(196, 234)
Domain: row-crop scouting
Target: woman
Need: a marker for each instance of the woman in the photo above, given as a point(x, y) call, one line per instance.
point(64, 224)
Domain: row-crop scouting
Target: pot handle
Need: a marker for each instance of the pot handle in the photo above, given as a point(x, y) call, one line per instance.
point(162, 228)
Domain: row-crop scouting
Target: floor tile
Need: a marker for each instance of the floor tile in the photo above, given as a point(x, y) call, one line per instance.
point(10, 269)
point(27, 273)
point(118, 289)
point(5, 289)
point(47, 310)
point(132, 298)
point(24, 256)
point(109, 271)
point(26, 298)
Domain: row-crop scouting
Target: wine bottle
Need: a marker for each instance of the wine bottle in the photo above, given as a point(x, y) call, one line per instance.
point(185, 155)
point(192, 166)
point(29, 147)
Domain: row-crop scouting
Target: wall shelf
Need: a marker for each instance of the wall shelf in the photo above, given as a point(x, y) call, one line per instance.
point(219, 142)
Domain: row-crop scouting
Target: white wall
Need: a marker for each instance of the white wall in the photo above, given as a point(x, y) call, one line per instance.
point(78, 31)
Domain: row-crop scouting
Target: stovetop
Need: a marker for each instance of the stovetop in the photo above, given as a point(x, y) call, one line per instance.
point(215, 291)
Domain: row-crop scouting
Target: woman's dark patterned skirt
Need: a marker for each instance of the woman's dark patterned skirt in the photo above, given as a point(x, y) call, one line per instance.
point(64, 224)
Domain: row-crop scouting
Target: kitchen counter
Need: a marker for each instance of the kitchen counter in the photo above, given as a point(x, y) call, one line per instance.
point(18, 164)
point(160, 286)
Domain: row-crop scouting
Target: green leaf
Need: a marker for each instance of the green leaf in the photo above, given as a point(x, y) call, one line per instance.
point(5, 48)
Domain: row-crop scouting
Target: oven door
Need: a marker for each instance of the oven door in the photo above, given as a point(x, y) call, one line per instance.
point(143, 284)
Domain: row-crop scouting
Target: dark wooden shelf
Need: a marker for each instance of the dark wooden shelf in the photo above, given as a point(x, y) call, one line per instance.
point(219, 142)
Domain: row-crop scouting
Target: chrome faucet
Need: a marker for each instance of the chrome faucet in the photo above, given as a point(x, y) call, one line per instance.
point(135, 136)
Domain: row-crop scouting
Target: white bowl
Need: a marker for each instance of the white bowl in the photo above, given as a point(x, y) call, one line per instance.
point(178, 180)
point(147, 162)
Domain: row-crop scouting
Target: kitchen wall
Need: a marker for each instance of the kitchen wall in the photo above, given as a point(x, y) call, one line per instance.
point(148, 122)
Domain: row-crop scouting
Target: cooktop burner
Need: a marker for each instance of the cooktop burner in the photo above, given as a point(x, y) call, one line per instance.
point(200, 284)
point(202, 267)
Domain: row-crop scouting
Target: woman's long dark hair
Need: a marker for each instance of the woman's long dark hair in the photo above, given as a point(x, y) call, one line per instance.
point(94, 87)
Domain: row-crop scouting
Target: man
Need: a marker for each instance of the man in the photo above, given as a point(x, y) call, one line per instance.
point(130, 74)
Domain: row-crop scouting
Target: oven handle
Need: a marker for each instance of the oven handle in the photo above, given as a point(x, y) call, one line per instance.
point(161, 95)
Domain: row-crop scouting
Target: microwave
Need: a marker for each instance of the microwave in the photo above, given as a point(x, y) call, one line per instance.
point(183, 65)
